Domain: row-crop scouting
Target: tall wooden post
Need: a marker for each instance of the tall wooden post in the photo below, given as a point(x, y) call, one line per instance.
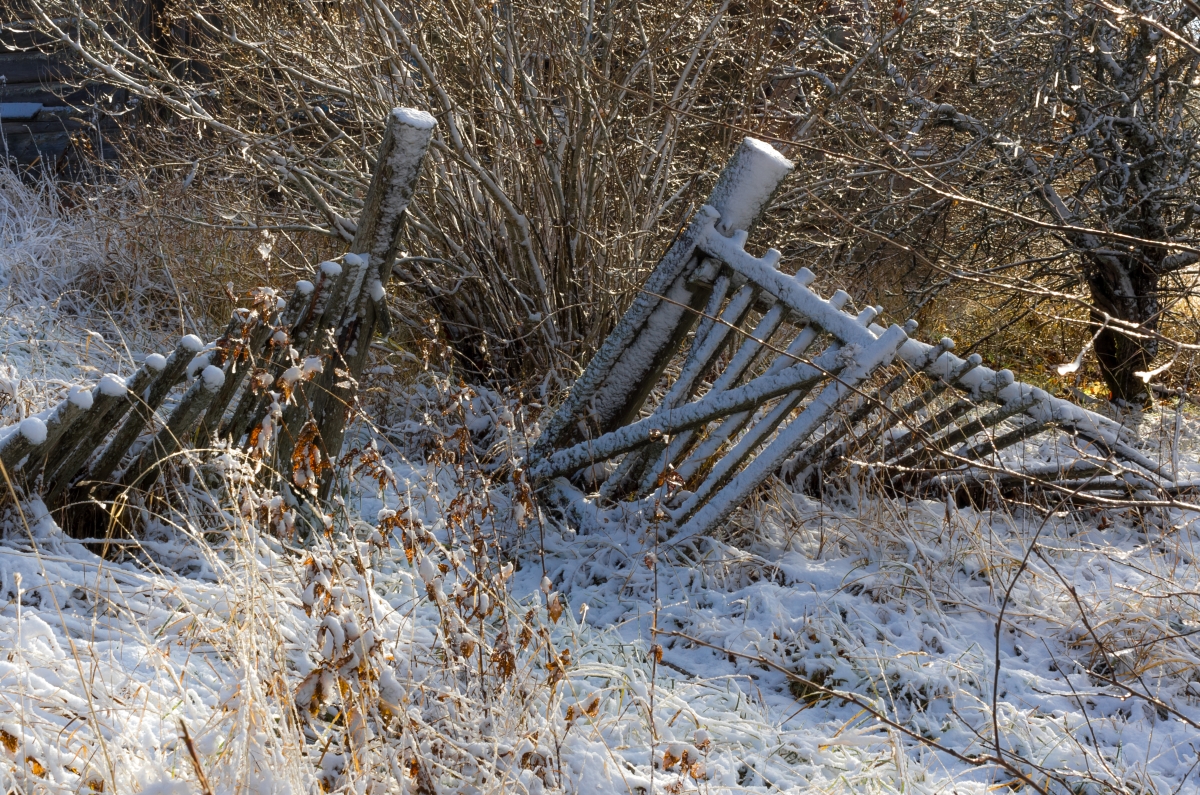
point(358, 306)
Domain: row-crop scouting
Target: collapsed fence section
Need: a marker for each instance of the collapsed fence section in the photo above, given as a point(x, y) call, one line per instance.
point(280, 382)
point(727, 371)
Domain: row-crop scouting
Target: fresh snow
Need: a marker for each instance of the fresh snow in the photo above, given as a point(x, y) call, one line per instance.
point(213, 377)
point(311, 366)
point(80, 397)
point(413, 117)
point(33, 429)
point(946, 622)
point(895, 605)
point(112, 385)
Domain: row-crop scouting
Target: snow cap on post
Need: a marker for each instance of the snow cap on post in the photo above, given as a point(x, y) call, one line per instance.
point(620, 375)
point(411, 130)
point(748, 184)
point(33, 429)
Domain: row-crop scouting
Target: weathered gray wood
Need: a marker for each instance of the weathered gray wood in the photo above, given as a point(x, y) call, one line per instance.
point(940, 385)
point(838, 441)
point(256, 331)
point(170, 438)
point(692, 415)
point(1005, 441)
point(17, 446)
point(751, 350)
point(148, 402)
point(709, 333)
point(935, 447)
point(299, 306)
point(376, 241)
point(97, 425)
point(734, 424)
point(619, 376)
point(760, 431)
point(945, 418)
point(698, 515)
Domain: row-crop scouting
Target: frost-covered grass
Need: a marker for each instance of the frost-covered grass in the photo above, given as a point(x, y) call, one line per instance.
point(447, 635)
point(838, 647)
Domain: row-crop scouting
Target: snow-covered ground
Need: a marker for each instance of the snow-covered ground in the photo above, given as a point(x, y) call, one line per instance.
point(449, 635)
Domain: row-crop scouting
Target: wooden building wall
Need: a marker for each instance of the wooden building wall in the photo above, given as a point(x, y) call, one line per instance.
point(51, 115)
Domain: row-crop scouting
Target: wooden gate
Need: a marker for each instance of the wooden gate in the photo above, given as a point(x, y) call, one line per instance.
point(727, 371)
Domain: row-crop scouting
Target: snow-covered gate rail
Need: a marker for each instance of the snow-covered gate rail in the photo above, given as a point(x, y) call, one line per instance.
point(727, 371)
point(280, 380)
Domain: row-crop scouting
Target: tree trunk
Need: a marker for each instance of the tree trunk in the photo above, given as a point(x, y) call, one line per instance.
point(1129, 293)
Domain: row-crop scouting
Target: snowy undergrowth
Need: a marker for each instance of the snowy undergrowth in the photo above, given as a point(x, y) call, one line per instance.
point(431, 642)
point(53, 332)
point(445, 635)
point(825, 647)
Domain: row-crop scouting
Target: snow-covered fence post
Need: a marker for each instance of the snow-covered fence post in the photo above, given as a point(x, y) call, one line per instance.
point(169, 439)
point(621, 374)
point(33, 437)
point(357, 306)
point(114, 400)
point(173, 369)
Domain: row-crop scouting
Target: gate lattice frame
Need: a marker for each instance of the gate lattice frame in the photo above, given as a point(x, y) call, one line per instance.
point(735, 413)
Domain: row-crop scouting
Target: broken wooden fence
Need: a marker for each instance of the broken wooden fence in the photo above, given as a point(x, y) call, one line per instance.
point(280, 381)
point(727, 371)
